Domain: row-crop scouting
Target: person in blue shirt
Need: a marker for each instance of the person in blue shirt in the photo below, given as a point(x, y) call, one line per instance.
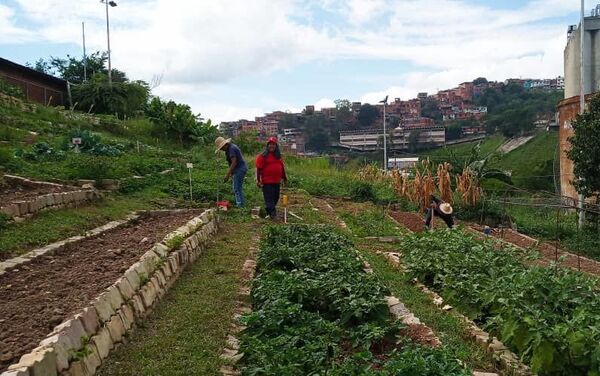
point(237, 167)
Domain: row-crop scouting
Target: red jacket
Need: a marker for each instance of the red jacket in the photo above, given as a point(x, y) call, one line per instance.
point(269, 169)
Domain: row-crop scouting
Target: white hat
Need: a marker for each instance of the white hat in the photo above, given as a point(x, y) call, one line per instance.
point(220, 142)
point(446, 208)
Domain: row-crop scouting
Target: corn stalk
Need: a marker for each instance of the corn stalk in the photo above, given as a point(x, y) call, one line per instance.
point(467, 185)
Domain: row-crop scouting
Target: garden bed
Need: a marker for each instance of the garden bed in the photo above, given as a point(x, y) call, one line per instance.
point(543, 314)
point(43, 292)
point(548, 251)
point(21, 197)
point(317, 310)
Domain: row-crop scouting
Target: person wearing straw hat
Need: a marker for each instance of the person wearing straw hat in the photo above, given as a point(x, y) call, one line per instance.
point(237, 167)
point(440, 209)
point(270, 173)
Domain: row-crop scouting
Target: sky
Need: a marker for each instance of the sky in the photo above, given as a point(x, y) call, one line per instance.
point(233, 59)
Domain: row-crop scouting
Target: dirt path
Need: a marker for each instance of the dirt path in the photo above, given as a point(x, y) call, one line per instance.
point(39, 295)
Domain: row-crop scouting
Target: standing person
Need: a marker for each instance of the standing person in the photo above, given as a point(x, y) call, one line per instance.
point(270, 172)
point(440, 209)
point(237, 167)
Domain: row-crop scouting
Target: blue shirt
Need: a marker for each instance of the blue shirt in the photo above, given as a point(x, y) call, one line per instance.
point(232, 152)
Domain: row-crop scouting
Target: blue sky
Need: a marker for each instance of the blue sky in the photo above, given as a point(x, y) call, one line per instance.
point(234, 59)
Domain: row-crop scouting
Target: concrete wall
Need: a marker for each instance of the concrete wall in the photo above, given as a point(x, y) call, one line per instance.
point(591, 59)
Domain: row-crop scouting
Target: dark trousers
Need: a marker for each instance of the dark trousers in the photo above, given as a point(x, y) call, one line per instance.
point(447, 218)
point(271, 196)
point(444, 217)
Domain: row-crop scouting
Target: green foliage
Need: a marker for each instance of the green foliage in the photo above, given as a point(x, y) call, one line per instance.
point(248, 143)
point(178, 120)
point(362, 191)
point(370, 222)
point(122, 98)
point(512, 109)
point(367, 115)
point(585, 150)
point(41, 151)
point(316, 312)
point(542, 313)
point(91, 143)
point(4, 219)
point(11, 90)
point(93, 167)
point(72, 68)
point(6, 156)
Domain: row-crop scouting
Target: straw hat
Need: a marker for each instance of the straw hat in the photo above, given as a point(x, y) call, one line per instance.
point(220, 142)
point(446, 208)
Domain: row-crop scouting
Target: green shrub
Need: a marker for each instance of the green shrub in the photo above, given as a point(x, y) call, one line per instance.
point(91, 167)
point(8, 89)
point(316, 312)
point(362, 192)
point(549, 316)
point(6, 156)
point(4, 219)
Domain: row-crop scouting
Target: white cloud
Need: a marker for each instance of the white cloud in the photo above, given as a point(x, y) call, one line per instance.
point(209, 46)
point(9, 32)
point(324, 103)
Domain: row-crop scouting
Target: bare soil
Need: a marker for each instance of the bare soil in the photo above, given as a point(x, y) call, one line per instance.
point(10, 193)
point(548, 251)
point(40, 295)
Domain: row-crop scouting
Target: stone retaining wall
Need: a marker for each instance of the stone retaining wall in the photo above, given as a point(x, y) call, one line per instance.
point(47, 201)
point(78, 346)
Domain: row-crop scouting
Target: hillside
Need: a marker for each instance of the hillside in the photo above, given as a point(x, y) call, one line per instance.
point(531, 164)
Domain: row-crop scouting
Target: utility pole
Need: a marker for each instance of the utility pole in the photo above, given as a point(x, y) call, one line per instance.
point(581, 218)
point(112, 4)
point(84, 55)
point(385, 167)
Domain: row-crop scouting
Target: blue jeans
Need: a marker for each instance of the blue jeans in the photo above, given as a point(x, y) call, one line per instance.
point(238, 186)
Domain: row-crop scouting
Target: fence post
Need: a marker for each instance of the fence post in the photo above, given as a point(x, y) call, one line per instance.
point(557, 238)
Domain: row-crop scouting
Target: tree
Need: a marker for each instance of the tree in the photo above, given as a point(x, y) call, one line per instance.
point(72, 68)
point(585, 149)
point(413, 141)
point(367, 115)
point(454, 131)
point(431, 109)
point(480, 80)
point(121, 98)
point(178, 120)
point(40, 65)
point(480, 165)
point(343, 115)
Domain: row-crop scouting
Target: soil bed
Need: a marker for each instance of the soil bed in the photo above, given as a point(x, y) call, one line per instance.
point(548, 251)
point(39, 295)
point(12, 193)
point(413, 221)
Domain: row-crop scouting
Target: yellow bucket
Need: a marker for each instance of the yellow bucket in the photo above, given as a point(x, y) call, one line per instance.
point(284, 200)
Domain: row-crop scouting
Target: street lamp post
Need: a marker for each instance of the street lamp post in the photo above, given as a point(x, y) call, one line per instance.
point(581, 217)
point(385, 167)
point(112, 4)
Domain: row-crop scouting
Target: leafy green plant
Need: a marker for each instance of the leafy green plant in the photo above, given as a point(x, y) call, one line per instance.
point(315, 311)
point(4, 219)
point(548, 315)
point(362, 191)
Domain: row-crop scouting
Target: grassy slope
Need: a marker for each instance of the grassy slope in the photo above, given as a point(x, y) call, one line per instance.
point(533, 160)
point(185, 334)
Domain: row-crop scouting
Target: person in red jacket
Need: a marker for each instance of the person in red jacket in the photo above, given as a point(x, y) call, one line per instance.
point(270, 172)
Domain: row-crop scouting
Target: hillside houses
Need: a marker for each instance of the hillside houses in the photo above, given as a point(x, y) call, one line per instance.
point(426, 117)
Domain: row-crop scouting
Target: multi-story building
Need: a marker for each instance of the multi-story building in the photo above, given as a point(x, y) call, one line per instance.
point(570, 106)
point(399, 138)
